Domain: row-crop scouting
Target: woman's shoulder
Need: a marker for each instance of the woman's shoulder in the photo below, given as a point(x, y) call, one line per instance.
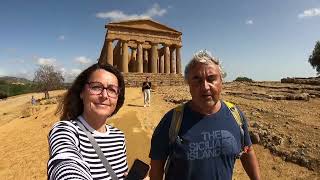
point(65, 125)
point(115, 130)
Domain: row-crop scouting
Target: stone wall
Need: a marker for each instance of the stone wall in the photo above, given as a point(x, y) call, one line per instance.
point(311, 80)
point(157, 79)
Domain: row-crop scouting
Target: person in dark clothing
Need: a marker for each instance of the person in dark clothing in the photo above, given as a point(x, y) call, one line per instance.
point(146, 89)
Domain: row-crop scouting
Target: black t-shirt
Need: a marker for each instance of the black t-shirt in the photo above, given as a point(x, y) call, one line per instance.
point(146, 85)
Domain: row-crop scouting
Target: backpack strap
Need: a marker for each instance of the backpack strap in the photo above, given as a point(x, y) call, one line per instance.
point(238, 118)
point(174, 131)
point(175, 123)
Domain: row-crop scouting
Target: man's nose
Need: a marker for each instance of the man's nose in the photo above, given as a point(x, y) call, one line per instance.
point(205, 85)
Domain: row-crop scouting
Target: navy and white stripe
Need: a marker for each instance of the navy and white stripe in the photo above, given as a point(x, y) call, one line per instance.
point(73, 157)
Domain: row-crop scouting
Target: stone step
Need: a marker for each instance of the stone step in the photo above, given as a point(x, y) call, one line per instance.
point(157, 79)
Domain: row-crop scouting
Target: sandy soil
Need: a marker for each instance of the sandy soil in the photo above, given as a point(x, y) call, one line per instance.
point(24, 129)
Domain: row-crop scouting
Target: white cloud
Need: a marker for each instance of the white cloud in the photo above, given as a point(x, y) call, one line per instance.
point(155, 11)
point(309, 13)
point(46, 61)
point(249, 21)
point(62, 70)
point(117, 15)
point(82, 60)
point(70, 75)
point(23, 73)
point(61, 37)
point(75, 72)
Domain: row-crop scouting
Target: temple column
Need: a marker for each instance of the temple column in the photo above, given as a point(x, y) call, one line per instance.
point(149, 61)
point(178, 59)
point(117, 55)
point(145, 61)
point(133, 57)
point(154, 57)
point(172, 61)
point(124, 63)
point(161, 64)
point(139, 62)
point(166, 59)
point(109, 52)
point(103, 55)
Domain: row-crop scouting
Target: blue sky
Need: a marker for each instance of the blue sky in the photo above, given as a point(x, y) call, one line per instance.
point(262, 40)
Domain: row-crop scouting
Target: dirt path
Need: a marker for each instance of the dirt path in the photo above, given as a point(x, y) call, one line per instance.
point(24, 148)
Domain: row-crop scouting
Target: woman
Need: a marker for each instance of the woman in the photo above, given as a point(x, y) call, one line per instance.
point(96, 94)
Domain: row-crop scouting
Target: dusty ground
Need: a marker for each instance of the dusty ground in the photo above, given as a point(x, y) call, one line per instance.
point(24, 129)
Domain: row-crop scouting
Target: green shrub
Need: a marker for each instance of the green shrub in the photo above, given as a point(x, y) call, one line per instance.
point(16, 89)
point(243, 79)
point(3, 82)
point(3, 95)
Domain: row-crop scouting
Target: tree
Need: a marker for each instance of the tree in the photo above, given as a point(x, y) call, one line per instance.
point(47, 79)
point(314, 58)
point(243, 79)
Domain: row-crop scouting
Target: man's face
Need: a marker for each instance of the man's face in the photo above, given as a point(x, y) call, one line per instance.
point(205, 85)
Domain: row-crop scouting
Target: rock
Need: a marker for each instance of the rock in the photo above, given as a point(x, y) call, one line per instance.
point(291, 140)
point(277, 140)
point(259, 109)
point(256, 114)
point(301, 152)
point(304, 162)
point(256, 125)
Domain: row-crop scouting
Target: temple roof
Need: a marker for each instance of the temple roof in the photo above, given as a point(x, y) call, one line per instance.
point(142, 24)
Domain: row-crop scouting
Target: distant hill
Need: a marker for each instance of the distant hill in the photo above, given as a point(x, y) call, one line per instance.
point(14, 80)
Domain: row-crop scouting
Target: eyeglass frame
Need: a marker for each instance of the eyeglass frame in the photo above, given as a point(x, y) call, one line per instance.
point(103, 88)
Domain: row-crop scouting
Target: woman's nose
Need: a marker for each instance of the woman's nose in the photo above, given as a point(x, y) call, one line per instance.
point(104, 93)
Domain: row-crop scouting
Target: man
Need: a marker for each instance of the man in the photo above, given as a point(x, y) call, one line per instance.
point(209, 139)
point(146, 89)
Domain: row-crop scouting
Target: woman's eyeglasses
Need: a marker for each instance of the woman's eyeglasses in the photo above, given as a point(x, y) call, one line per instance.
point(97, 88)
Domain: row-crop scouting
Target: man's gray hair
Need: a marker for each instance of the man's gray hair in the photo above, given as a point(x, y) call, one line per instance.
point(205, 57)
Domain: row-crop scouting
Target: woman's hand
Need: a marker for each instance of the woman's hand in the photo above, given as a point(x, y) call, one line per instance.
point(126, 174)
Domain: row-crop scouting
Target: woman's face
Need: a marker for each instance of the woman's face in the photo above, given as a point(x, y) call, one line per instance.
point(100, 95)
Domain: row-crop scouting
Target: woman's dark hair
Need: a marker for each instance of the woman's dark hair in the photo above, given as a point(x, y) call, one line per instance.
point(72, 105)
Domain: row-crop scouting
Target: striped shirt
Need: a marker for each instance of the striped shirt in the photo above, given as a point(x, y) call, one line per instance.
point(73, 157)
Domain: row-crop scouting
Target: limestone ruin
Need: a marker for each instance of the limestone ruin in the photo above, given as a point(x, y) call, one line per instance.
point(140, 48)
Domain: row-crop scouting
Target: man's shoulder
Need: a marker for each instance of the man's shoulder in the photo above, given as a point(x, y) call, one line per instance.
point(165, 120)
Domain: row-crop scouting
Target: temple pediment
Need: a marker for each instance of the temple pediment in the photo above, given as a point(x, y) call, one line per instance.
point(142, 24)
